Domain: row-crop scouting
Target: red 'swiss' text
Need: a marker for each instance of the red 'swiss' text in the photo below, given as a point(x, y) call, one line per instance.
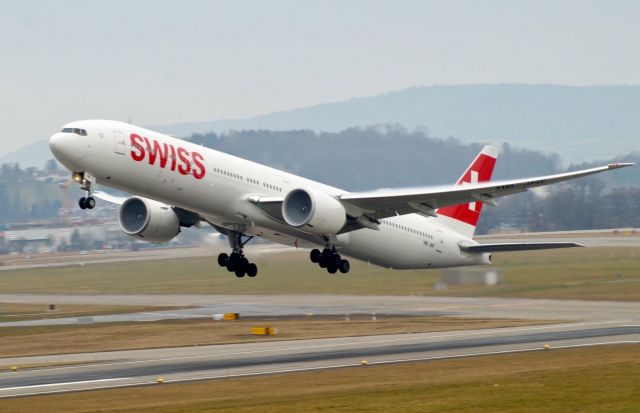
point(167, 156)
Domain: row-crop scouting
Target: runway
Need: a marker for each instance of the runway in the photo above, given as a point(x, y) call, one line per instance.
point(144, 367)
point(583, 323)
point(273, 305)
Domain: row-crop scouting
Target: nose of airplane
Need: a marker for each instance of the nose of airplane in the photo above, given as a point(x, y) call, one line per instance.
point(62, 146)
point(57, 144)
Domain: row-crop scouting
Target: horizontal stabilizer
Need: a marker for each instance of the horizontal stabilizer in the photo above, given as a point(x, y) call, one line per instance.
point(517, 246)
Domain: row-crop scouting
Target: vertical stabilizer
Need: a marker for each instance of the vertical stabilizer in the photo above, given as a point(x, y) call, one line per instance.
point(464, 218)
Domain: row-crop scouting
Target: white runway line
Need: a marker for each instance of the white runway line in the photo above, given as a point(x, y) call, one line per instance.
point(69, 383)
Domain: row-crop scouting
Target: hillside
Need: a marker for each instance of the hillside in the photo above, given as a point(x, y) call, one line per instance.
point(579, 123)
point(370, 158)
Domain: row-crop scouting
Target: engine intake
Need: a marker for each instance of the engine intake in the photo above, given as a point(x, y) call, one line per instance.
point(148, 220)
point(314, 211)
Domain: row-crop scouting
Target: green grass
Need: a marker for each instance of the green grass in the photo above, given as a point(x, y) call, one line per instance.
point(581, 273)
point(587, 380)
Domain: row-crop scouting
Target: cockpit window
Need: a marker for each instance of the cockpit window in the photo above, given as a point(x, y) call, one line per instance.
point(81, 132)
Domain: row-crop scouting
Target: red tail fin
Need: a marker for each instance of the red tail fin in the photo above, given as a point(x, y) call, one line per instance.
point(480, 170)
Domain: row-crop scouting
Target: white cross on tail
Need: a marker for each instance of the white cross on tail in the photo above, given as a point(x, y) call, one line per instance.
point(474, 180)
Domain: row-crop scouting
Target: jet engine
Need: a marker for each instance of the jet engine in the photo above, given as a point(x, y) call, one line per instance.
point(313, 211)
point(148, 220)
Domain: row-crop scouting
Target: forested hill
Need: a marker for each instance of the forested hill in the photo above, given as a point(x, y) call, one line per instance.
point(359, 159)
point(367, 158)
point(578, 123)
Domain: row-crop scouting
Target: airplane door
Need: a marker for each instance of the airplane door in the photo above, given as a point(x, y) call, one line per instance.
point(118, 138)
point(439, 240)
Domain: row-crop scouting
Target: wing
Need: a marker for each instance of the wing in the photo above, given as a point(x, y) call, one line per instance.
point(382, 204)
point(118, 200)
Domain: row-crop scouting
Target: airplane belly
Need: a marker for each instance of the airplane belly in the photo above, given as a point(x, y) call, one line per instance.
point(387, 248)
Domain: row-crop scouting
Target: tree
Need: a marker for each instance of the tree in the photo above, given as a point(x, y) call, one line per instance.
point(51, 166)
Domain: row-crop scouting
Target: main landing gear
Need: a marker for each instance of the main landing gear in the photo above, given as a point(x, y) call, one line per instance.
point(236, 261)
point(330, 259)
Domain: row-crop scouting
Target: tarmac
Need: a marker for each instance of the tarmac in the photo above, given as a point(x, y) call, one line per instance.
point(582, 323)
point(182, 364)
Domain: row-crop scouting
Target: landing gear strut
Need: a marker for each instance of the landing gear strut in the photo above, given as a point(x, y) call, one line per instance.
point(236, 261)
point(330, 259)
point(87, 201)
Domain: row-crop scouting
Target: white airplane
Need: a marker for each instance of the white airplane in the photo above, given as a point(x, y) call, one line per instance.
point(179, 184)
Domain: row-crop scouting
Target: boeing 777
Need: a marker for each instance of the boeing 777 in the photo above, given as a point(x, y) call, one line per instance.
point(179, 184)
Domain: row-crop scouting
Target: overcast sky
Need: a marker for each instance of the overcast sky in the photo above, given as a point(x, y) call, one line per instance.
point(161, 62)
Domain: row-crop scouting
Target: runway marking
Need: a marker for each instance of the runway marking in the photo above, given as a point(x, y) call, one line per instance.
point(566, 346)
point(357, 364)
point(69, 383)
point(360, 340)
point(292, 370)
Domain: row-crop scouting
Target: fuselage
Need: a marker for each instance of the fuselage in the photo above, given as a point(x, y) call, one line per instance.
point(218, 186)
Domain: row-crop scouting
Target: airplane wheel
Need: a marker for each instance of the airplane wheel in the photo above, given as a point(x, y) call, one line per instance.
point(337, 259)
point(223, 259)
point(90, 202)
point(322, 262)
point(327, 254)
point(252, 270)
point(344, 266)
point(315, 255)
point(234, 259)
point(82, 203)
point(243, 263)
point(240, 272)
point(331, 268)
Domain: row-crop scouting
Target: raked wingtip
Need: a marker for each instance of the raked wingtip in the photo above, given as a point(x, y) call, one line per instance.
point(620, 165)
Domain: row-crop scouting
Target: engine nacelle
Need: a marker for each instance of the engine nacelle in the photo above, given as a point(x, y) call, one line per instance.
point(313, 211)
point(148, 220)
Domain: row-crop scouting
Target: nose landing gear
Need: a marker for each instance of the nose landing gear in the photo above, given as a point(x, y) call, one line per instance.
point(236, 261)
point(330, 259)
point(86, 202)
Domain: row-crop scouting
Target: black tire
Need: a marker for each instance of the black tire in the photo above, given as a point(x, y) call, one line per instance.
point(82, 203)
point(243, 263)
point(344, 266)
point(223, 259)
point(240, 272)
point(337, 259)
point(332, 269)
point(230, 267)
point(327, 254)
point(234, 259)
point(252, 270)
point(90, 202)
point(322, 262)
point(315, 255)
